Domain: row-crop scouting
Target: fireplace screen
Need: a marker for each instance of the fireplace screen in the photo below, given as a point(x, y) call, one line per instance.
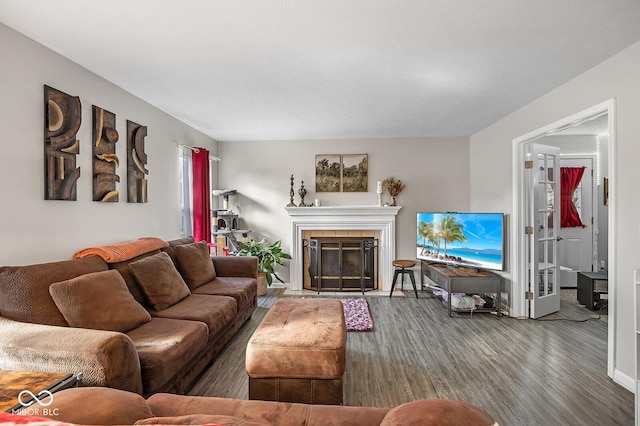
point(341, 263)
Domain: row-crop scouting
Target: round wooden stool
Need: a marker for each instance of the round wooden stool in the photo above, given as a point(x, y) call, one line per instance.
point(401, 268)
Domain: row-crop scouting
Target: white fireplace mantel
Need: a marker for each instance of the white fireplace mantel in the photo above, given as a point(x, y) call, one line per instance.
point(352, 218)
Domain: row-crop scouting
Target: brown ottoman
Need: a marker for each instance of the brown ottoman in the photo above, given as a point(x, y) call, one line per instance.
point(298, 353)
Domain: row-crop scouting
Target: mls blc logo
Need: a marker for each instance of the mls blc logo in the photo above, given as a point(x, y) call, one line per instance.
point(27, 398)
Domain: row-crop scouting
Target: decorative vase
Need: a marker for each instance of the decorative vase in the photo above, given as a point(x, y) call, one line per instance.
point(262, 283)
point(393, 201)
point(302, 192)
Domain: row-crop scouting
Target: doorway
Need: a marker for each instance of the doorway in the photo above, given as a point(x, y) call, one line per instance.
point(578, 242)
point(520, 303)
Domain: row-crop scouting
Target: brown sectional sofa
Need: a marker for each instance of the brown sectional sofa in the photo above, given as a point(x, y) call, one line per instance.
point(53, 316)
point(110, 406)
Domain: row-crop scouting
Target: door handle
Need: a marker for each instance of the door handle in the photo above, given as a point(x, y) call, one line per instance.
point(559, 239)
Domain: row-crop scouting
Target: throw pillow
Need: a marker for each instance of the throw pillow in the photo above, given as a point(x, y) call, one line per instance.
point(160, 281)
point(195, 264)
point(99, 301)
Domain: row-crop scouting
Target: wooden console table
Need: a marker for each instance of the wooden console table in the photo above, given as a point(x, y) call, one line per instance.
point(13, 383)
point(460, 279)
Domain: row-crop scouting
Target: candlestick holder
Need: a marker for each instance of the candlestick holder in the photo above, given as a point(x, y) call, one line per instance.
point(291, 194)
point(379, 192)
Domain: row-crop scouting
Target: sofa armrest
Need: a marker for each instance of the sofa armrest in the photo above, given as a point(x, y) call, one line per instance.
point(236, 266)
point(106, 358)
point(437, 412)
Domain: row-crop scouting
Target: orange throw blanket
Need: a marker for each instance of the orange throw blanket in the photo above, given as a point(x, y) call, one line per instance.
point(120, 252)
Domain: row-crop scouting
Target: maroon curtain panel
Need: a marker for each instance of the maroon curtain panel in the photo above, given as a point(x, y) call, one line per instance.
point(201, 196)
point(570, 178)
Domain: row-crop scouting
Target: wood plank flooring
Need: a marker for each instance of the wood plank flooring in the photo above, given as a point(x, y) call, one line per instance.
point(522, 372)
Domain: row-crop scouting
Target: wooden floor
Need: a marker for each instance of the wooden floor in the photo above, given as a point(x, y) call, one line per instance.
point(522, 372)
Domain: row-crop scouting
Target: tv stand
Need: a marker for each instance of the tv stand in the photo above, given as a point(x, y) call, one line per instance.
point(462, 279)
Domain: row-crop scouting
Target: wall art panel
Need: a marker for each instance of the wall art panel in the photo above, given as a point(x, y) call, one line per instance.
point(105, 161)
point(62, 119)
point(136, 161)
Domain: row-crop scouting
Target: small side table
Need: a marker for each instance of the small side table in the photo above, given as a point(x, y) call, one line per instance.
point(591, 286)
point(18, 388)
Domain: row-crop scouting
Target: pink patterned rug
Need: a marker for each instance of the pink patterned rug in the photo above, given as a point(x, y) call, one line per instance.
point(356, 315)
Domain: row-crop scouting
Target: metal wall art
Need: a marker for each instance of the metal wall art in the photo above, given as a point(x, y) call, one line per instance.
point(105, 161)
point(63, 116)
point(136, 161)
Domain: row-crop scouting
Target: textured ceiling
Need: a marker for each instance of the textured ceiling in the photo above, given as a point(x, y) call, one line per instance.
point(302, 69)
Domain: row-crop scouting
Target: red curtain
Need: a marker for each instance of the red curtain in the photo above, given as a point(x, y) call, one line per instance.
point(201, 196)
point(570, 178)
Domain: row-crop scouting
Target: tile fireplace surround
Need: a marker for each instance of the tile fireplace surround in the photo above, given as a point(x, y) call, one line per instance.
point(344, 218)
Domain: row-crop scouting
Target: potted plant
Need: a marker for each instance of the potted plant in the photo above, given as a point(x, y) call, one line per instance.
point(268, 255)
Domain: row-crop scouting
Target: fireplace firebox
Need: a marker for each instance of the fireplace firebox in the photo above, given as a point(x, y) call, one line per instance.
point(341, 263)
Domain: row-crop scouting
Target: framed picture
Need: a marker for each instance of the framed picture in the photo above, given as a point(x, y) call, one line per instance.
point(342, 172)
point(328, 172)
point(355, 172)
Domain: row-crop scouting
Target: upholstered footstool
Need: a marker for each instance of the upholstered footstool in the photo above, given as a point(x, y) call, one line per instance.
point(298, 353)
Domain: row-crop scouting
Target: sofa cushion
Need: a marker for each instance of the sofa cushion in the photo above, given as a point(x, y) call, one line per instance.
point(195, 264)
point(127, 274)
point(165, 346)
point(99, 301)
point(160, 281)
point(243, 289)
point(171, 249)
point(437, 412)
point(215, 311)
point(25, 289)
point(270, 412)
point(95, 406)
point(199, 419)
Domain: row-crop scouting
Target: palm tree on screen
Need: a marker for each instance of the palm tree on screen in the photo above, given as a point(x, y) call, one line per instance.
point(450, 231)
point(427, 232)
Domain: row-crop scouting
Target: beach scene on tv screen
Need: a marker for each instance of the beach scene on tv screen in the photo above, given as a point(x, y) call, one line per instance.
point(473, 239)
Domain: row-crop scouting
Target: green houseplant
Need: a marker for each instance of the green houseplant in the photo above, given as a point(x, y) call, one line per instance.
point(268, 255)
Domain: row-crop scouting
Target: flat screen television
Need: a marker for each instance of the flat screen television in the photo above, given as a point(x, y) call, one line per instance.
point(465, 239)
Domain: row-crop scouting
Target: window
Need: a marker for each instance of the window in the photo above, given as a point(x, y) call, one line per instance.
point(185, 179)
point(186, 187)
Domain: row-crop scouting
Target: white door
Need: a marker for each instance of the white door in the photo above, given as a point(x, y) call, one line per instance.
point(543, 221)
point(577, 250)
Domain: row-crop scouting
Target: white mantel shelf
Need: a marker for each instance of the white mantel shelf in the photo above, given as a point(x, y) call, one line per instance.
point(374, 218)
point(342, 210)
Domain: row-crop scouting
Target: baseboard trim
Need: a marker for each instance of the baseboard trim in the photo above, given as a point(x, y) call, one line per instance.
point(624, 380)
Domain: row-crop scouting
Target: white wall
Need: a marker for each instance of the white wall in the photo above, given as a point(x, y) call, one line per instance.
point(34, 230)
point(435, 170)
point(615, 78)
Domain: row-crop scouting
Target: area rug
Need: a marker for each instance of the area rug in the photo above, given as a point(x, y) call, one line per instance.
point(357, 315)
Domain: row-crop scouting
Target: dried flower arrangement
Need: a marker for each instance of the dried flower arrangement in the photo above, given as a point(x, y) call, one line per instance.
point(394, 187)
